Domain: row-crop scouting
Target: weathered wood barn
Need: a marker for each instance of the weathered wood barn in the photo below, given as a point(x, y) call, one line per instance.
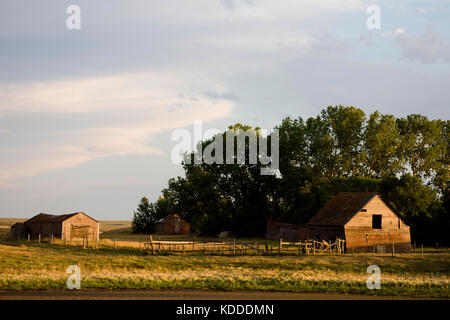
point(364, 220)
point(172, 224)
point(278, 229)
point(71, 226)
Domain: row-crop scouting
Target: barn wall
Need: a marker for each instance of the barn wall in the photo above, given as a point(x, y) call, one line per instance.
point(160, 228)
point(17, 232)
point(287, 231)
point(45, 229)
point(168, 226)
point(361, 237)
point(80, 226)
point(185, 228)
point(327, 233)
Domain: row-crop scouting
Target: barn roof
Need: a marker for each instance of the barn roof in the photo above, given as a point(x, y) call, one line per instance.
point(341, 208)
point(42, 217)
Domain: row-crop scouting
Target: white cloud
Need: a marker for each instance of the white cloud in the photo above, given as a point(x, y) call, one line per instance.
point(140, 103)
point(428, 48)
point(425, 10)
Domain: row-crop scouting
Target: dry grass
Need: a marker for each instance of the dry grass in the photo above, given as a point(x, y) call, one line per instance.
point(26, 265)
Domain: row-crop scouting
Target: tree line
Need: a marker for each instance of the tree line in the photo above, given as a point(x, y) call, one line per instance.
point(341, 149)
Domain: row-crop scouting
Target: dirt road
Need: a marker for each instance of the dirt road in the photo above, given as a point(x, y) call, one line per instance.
point(93, 294)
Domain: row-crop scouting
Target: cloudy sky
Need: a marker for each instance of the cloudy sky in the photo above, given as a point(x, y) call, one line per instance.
point(86, 115)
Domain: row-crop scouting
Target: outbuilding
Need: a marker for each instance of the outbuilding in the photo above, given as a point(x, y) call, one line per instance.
point(288, 231)
point(71, 226)
point(365, 220)
point(172, 224)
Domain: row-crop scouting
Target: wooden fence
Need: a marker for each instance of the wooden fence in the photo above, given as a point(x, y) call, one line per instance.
point(243, 248)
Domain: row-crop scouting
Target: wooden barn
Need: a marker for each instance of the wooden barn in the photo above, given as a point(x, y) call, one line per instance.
point(364, 220)
point(172, 224)
point(278, 229)
point(71, 226)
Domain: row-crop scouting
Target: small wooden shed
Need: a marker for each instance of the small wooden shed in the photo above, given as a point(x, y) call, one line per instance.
point(288, 231)
point(71, 226)
point(365, 220)
point(172, 224)
point(17, 231)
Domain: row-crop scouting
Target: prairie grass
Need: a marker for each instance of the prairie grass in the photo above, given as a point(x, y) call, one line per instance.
point(30, 266)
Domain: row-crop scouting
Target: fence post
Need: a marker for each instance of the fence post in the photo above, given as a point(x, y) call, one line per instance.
point(421, 248)
point(150, 239)
point(39, 239)
point(87, 242)
point(234, 245)
point(280, 246)
point(84, 243)
point(96, 243)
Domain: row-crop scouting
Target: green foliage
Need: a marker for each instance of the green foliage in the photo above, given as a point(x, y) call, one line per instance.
point(405, 159)
point(145, 217)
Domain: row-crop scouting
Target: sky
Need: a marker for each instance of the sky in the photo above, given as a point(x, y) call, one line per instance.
point(86, 115)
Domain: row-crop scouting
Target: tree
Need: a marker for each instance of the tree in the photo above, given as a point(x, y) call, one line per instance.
point(421, 144)
point(381, 145)
point(442, 165)
point(406, 160)
point(347, 124)
point(144, 217)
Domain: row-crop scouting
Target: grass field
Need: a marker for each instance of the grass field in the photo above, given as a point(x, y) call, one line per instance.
point(26, 265)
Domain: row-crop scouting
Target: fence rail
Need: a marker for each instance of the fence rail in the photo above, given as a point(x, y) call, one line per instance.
point(247, 248)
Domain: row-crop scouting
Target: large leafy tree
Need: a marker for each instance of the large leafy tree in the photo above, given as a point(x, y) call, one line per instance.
point(405, 159)
point(381, 146)
point(347, 124)
point(421, 144)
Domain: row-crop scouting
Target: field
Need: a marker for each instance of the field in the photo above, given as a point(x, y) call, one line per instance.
point(25, 265)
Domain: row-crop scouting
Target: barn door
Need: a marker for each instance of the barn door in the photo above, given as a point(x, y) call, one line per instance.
point(177, 225)
point(81, 231)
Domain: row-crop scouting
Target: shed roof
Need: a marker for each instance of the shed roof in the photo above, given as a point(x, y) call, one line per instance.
point(42, 217)
point(166, 218)
point(341, 208)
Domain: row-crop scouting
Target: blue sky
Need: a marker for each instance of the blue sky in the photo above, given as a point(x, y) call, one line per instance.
point(86, 115)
